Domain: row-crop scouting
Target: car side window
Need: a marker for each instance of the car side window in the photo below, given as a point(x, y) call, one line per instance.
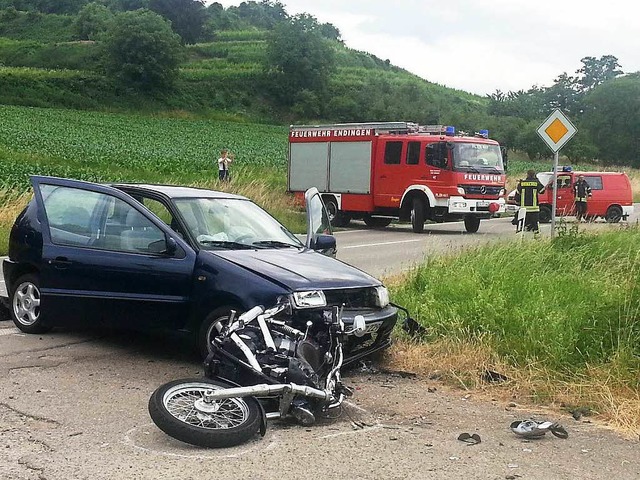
point(90, 219)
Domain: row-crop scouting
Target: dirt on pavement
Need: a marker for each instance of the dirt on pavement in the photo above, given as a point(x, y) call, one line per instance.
point(74, 406)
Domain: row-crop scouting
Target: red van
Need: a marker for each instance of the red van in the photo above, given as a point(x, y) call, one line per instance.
point(611, 198)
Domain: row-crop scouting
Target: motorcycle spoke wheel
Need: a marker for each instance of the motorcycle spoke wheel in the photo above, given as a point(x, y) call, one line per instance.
point(184, 410)
point(186, 402)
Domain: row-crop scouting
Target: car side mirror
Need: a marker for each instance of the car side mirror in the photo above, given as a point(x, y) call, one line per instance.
point(172, 247)
point(325, 244)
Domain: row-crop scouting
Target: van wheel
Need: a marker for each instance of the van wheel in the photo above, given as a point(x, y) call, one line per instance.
point(614, 214)
point(210, 327)
point(545, 214)
point(471, 223)
point(25, 305)
point(336, 217)
point(418, 215)
point(376, 222)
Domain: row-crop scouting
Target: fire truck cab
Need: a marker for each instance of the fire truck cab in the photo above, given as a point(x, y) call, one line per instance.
point(381, 171)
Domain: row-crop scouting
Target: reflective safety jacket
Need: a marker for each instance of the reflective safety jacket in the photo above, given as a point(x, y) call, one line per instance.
point(528, 190)
point(582, 190)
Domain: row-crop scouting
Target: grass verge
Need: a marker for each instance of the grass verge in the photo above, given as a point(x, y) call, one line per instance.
point(558, 318)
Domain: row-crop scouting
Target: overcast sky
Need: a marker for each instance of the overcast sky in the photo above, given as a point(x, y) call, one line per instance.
point(481, 46)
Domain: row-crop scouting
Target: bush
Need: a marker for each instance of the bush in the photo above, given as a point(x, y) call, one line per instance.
point(142, 52)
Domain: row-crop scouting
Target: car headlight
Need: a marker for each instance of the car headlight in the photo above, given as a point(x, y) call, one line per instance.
point(311, 299)
point(461, 190)
point(382, 296)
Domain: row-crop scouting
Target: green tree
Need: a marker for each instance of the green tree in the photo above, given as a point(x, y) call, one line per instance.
point(298, 58)
point(595, 71)
point(612, 117)
point(46, 6)
point(141, 51)
point(92, 20)
point(187, 17)
point(264, 14)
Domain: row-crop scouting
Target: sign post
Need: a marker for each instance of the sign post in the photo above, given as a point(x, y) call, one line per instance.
point(556, 130)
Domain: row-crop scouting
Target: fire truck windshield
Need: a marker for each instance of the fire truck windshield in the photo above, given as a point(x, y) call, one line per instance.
point(477, 157)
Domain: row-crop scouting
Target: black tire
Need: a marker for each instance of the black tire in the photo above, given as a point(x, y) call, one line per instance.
point(179, 410)
point(376, 222)
point(614, 214)
point(208, 328)
point(24, 302)
point(418, 215)
point(545, 214)
point(336, 217)
point(471, 223)
point(5, 312)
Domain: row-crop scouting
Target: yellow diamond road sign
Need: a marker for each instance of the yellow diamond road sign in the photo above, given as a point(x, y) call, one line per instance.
point(556, 130)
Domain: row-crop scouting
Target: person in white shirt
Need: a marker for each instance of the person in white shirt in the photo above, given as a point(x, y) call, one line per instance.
point(223, 165)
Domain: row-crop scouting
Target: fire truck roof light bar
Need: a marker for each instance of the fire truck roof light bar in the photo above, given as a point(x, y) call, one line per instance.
point(391, 128)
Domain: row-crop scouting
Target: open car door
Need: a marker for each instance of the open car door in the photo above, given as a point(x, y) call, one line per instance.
point(319, 234)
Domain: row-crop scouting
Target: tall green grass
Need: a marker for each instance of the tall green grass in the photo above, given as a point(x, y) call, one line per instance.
point(563, 305)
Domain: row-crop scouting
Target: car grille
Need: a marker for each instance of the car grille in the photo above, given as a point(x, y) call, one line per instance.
point(481, 190)
point(352, 297)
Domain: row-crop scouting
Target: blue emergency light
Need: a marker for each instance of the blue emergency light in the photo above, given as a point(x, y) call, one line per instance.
point(450, 131)
point(484, 133)
point(566, 168)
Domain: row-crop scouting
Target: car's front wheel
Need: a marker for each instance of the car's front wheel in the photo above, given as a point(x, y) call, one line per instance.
point(25, 305)
point(211, 326)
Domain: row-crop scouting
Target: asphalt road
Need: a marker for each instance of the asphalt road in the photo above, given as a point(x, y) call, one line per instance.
point(73, 405)
point(392, 250)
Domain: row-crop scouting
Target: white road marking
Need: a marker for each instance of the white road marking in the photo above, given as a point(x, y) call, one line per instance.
point(381, 243)
point(258, 445)
point(351, 432)
point(9, 331)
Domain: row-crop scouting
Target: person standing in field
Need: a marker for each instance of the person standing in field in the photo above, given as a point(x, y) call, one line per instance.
point(223, 165)
point(582, 191)
point(527, 193)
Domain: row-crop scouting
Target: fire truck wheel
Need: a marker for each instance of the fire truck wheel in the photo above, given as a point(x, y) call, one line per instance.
point(336, 217)
point(471, 223)
point(545, 214)
point(418, 215)
point(376, 222)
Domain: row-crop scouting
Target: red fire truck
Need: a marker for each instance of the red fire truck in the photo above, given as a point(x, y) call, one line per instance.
point(381, 171)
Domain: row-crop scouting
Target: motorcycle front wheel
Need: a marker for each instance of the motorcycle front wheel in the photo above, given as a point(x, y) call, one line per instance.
point(182, 410)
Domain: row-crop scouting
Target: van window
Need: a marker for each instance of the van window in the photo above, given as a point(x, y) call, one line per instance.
point(392, 153)
point(413, 153)
point(594, 182)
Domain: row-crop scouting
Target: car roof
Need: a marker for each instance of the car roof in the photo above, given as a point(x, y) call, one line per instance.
point(175, 191)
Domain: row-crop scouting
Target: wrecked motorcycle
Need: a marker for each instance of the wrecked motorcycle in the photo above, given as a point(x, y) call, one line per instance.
point(261, 367)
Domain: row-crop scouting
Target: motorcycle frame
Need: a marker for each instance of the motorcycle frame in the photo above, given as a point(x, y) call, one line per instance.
point(286, 391)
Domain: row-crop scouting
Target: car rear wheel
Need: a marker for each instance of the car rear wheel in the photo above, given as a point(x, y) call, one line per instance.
point(211, 326)
point(25, 305)
point(614, 214)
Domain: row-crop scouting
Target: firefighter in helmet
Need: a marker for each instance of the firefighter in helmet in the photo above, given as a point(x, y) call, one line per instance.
point(582, 191)
point(527, 193)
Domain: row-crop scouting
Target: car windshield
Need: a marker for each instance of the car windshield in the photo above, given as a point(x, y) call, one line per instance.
point(477, 157)
point(227, 223)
